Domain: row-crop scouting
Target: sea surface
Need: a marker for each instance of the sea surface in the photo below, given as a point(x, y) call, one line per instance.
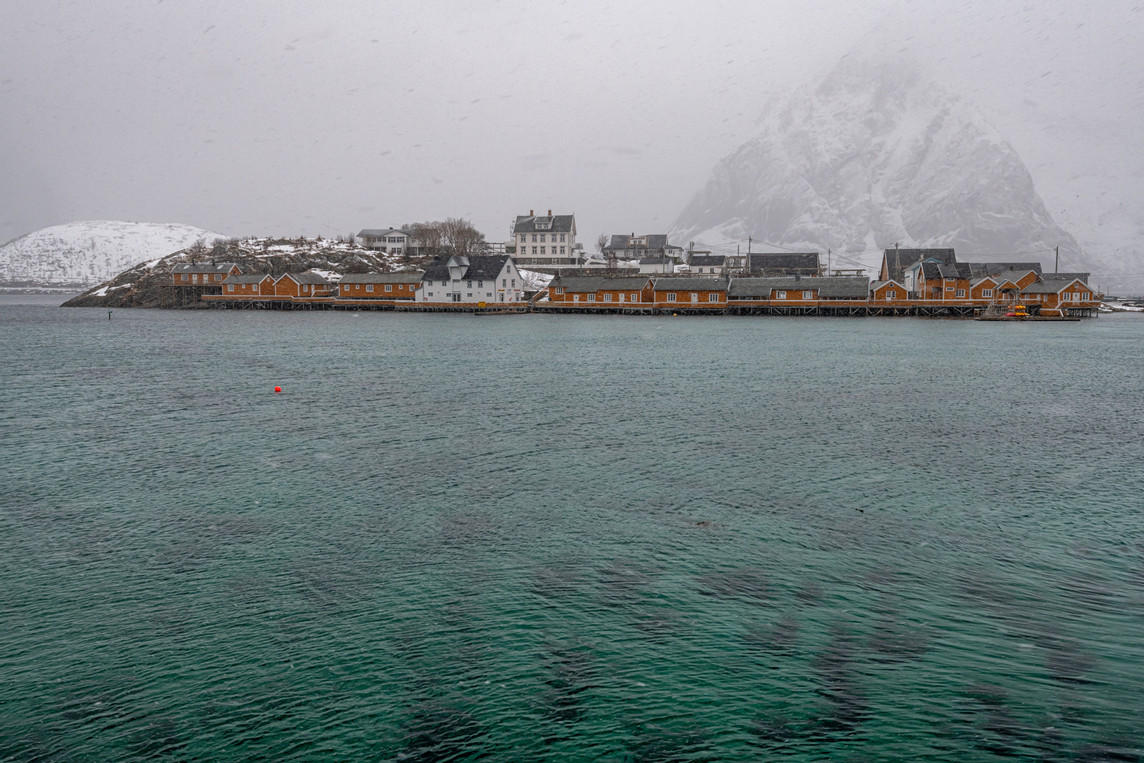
point(569, 537)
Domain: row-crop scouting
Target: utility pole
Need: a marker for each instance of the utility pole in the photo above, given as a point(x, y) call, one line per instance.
point(828, 262)
point(1057, 264)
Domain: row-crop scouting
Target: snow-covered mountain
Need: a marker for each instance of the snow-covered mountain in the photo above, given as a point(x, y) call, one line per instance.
point(88, 252)
point(877, 154)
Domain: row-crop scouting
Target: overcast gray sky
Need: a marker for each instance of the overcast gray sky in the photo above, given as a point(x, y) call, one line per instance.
point(289, 116)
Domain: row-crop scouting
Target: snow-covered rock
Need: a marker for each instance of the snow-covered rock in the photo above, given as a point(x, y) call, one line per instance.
point(92, 251)
point(877, 154)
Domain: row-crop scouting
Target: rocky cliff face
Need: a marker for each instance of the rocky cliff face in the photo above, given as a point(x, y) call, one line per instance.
point(875, 155)
point(86, 253)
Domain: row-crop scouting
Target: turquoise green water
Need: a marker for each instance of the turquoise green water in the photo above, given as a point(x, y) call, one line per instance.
point(568, 538)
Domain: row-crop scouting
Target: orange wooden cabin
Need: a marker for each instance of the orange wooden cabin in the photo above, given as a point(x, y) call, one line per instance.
point(380, 285)
point(254, 285)
point(295, 285)
point(601, 291)
point(202, 273)
point(690, 292)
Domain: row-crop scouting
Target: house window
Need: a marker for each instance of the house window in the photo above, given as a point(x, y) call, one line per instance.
point(514, 283)
point(634, 298)
point(534, 250)
point(543, 250)
point(671, 296)
point(960, 293)
point(534, 241)
point(987, 292)
point(607, 297)
point(780, 295)
point(480, 284)
point(808, 295)
point(712, 297)
point(562, 236)
point(591, 297)
point(230, 287)
point(559, 289)
point(468, 294)
point(620, 297)
point(369, 287)
point(891, 294)
point(469, 284)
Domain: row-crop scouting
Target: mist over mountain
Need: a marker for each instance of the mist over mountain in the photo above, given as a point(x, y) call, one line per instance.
point(877, 153)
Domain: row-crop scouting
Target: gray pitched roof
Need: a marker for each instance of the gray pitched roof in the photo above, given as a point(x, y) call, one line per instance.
point(1051, 283)
point(410, 276)
point(981, 269)
point(482, 267)
point(202, 267)
point(555, 223)
point(897, 260)
point(252, 278)
point(831, 287)
point(592, 284)
point(307, 277)
point(936, 269)
point(379, 232)
point(708, 260)
point(690, 284)
point(783, 261)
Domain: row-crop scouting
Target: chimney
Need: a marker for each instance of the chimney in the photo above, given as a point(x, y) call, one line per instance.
point(531, 213)
point(550, 213)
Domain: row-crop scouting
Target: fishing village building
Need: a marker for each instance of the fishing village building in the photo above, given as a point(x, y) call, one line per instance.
point(202, 273)
point(308, 284)
point(400, 285)
point(472, 279)
point(943, 287)
point(255, 285)
point(772, 264)
point(390, 240)
point(545, 241)
point(579, 291)
point(633, 247)
point(707, 264)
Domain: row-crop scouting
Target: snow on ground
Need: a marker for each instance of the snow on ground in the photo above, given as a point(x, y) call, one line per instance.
point(534, 281)
point(91, 251)
point(329, 275)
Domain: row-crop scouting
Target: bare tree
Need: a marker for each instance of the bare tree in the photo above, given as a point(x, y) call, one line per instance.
point(458, 236)
point(601, 242)
point(425, 236)
point(197, 250)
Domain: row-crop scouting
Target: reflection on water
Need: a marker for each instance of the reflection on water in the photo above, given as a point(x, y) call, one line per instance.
point(575, 538)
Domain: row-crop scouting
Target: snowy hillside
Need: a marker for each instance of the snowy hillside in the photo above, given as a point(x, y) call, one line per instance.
point(144, 284)
point(877, 154)
point(91, 251)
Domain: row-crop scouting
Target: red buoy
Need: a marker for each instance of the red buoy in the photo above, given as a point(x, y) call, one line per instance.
point(277, 390)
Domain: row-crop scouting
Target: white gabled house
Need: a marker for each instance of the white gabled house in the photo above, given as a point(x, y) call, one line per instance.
point(470, 279)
